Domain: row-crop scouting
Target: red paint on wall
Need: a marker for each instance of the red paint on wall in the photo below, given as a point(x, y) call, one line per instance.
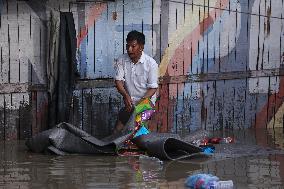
point(274, 102)
point(94, 13)
point(177, 67)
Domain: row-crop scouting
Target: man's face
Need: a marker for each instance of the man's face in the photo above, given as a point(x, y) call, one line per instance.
point(134, 50)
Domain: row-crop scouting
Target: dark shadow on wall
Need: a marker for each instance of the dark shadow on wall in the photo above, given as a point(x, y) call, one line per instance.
point(39, 7)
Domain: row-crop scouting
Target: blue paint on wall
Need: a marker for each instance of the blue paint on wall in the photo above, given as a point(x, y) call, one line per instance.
point(83, 58)
point(229, 62)
point(130, 27)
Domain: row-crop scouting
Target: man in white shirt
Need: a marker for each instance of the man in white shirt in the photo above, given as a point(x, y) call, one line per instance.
point(136, 76)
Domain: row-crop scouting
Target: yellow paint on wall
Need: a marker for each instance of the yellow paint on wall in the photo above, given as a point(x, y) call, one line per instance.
point(278, 121)
point(275, 127)
point(191, 22)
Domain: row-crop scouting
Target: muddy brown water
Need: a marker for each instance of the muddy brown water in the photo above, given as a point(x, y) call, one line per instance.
point(256, 160)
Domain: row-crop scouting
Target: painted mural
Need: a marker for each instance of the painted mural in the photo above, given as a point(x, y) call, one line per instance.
point(195, 38)
point(221, 61)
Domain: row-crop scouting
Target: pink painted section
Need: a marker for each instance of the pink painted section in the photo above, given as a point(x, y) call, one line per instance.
point(94, 14)
point(189, 45)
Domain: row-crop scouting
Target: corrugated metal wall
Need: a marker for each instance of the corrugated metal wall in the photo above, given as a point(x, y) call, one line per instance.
point(221, 63)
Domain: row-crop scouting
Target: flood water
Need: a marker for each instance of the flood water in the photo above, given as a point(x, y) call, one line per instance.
point(256, 160)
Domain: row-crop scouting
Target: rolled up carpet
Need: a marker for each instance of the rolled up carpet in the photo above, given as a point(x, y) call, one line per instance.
point(68, 139)
point(165, 146)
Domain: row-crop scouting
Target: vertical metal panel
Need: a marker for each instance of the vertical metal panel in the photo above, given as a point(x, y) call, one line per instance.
point(87, 110)
point(77, 109)
point(4, 50)
point(25, 117)
point(2, 117)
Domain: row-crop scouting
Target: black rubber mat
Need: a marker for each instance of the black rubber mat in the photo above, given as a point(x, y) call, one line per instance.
point(67, 139)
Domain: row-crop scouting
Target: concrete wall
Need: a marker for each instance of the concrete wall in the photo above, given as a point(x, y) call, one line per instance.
point(221, 62)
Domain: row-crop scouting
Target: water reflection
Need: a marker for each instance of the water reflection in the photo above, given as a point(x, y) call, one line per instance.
point(22, 169)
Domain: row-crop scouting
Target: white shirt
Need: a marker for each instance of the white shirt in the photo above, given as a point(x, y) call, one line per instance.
point(139, 77)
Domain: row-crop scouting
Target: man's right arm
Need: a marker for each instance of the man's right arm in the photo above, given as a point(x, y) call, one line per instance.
point(127, 99)
point(119, 83)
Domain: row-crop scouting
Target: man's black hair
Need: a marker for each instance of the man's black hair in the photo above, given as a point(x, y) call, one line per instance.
point(136, 35)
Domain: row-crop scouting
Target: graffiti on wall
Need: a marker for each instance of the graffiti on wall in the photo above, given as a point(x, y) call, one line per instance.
point(201, 37)
point(220, 60)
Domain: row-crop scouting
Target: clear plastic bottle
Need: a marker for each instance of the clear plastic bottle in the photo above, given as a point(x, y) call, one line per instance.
point(228, 184)
point(207, 181)
point(201, 181)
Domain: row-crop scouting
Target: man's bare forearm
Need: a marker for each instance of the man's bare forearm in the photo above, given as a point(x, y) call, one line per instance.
point(120, 87)
point(150, 92)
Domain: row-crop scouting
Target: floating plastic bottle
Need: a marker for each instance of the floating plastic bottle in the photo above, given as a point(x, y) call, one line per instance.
point(218, 140)
point(200, 181)
point(228, 184)
point(207, 181)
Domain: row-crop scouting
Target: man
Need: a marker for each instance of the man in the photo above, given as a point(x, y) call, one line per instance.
point(136, 76)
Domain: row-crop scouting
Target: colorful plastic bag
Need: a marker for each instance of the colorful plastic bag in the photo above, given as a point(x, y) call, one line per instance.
point(145, 104)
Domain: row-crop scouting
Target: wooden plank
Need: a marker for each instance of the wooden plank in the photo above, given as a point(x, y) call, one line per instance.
point(206, 38)
point(100, 65)
point(4, 51)
point(33, 102)
point(90, 43)
point(240, 91)
point(185, 115)
point(235, 27)
point(13, 42)
point(42, 69)
point(145, 14)
point(192, 116)
point(219, 105)
point(2, 117)
point(36, 56)
point(204, 106)
point(82, 46)
point(20, 88)
point(7, 98)
point(114, 105)
point(16, 103)
point(25, 117)
point(209, 107)
point(119, 33)
point(24, 41)
point(103, 123)
point(171, 115)
point(87, 110)
point(42, 110)
point(180, 108)
point(188, 48)
point(77, 109)
point(162, 107)
point(222, 76)
point(164, 30)
point(229, 95)
point(176, 66)
point(156, 33)
point(256, 51)
point(11, 117)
